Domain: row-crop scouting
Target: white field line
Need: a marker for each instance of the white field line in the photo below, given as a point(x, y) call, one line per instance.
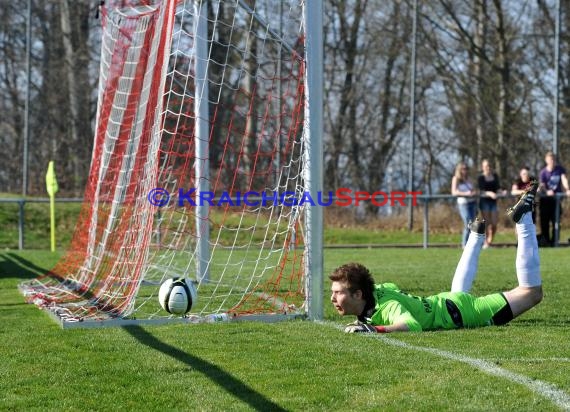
point(544, 389)
point(529, 360)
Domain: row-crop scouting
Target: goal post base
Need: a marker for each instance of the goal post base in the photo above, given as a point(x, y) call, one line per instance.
point(191, 319)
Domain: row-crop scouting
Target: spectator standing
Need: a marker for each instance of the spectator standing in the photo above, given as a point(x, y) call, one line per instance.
point(521, 184)
point(462, 187)
point(489, 188)
point(553, 180)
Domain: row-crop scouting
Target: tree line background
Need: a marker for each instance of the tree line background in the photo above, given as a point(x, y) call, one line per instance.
point(485, 87)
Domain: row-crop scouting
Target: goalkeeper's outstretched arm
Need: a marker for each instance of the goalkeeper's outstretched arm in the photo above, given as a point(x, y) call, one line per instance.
point(396, 327)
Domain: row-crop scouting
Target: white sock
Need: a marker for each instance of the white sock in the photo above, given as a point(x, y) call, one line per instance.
point(467, 266)
point(527, 261)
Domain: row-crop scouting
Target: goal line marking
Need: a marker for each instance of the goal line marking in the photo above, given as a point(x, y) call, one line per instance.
point(544, 389)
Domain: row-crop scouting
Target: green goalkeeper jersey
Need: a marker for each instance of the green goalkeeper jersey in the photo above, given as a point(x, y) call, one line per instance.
point(418, 313)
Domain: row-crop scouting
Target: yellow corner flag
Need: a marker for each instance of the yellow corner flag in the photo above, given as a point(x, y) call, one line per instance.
point(52, 188)
point(51, 181)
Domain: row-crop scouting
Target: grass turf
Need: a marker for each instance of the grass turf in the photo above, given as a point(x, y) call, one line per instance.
point(293, 365)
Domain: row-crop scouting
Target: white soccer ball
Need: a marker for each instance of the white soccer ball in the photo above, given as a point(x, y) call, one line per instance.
point(177, 295)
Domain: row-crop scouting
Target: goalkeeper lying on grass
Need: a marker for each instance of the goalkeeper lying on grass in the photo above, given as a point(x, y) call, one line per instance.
point(385, 308)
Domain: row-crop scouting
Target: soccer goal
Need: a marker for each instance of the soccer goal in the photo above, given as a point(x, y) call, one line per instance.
point(207, 143)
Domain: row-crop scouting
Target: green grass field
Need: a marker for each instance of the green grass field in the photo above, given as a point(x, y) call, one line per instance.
point(298, 365)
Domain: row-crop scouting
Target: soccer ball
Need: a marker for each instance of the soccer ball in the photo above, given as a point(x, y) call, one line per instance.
point(177, 295)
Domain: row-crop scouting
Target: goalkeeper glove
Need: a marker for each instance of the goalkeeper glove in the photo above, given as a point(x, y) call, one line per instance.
point(359, 327)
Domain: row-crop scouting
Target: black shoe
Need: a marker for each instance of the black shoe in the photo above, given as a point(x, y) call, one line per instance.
point(478, 226)
point(525, 203)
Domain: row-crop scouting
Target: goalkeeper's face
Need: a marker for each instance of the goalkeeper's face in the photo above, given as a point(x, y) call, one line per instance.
point(345, 301)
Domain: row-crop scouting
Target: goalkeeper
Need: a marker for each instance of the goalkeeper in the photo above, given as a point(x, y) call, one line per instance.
point(385, 308)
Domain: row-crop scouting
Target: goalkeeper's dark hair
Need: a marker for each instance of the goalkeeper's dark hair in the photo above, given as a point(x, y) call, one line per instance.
point(356, 277)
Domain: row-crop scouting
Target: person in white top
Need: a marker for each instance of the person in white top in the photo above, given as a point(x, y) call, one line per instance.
point(462, 187)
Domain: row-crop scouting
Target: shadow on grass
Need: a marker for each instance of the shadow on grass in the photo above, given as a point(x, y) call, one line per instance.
point(14, 266)
point(213, 372)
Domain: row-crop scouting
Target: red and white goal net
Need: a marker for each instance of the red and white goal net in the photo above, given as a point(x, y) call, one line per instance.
point(197, 164)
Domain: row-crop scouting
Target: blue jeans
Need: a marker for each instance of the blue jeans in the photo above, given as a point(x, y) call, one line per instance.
point(468, 212)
